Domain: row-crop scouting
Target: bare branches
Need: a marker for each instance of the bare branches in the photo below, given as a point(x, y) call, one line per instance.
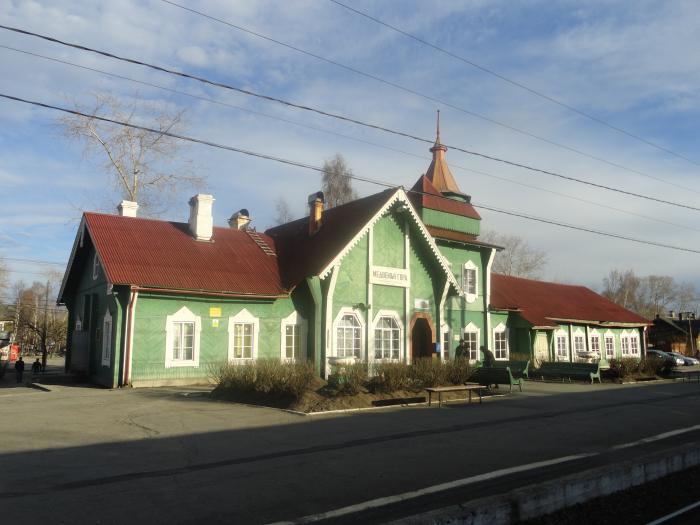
point(517, 258)
point(336, 182)
point(143, 166)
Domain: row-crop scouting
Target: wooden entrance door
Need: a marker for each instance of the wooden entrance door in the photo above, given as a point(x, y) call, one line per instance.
point(422, 339)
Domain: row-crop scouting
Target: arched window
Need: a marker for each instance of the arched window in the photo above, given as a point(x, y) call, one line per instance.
point(243, 329)
point(293, 338)
point(470, 282)
point(471, 341)
point(387, 337)
point(500, 342)
point(182, 338)
point(348, 339)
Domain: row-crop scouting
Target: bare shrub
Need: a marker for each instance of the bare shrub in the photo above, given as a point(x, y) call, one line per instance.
point(427, 372)
point(458, 370)
point(390, 377)
point(624, 367)
point(265, 376)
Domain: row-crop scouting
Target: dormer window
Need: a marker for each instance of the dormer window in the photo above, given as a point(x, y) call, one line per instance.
point(95, 267)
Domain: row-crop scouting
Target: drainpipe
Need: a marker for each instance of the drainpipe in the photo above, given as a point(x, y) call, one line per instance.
point(487, 299)
point(133, 297)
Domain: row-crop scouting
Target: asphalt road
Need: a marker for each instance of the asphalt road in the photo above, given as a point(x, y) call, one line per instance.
point(78, 455)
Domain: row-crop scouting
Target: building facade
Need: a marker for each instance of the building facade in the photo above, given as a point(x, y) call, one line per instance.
point(398, 275)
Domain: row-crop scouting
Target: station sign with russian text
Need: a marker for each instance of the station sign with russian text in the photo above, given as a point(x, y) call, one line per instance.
point(390, 276)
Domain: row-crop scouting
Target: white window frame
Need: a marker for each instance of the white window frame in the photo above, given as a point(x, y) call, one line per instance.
point(95, 267)
point(595, 336)
point(579, 337)
point(343, 312)
point(183, 315)
point(471, 328)
point(609, 336)
point(467, 268)
point(243, 317)
point(107, 339)
point(446, 341)
point(634, 337)
point(397, 319)
point(625, 345)
point(501, 329)
point(293, 319)
point(561, 334)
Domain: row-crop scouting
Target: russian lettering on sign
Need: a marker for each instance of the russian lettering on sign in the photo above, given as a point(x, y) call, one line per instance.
point(389, 276)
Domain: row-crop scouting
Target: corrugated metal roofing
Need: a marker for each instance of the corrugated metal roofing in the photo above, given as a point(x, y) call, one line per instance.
point(425, 195)
point(542, 302)
point(162, 254)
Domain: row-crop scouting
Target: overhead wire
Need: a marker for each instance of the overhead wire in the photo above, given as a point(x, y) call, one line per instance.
point(354, 177)
point(348, 137)
point(511, 81)
point(351, 120)
point(424, 96)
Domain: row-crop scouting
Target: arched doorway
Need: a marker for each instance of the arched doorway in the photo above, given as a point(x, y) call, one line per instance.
point(422, 337)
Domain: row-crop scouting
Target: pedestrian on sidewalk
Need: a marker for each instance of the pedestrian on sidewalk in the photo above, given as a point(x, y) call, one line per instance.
point(19, 369)
point(36, 367)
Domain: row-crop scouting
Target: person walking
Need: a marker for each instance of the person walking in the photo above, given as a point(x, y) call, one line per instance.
point(36, 367)
point(461, 350)
point(19, 369)
point(489, 359)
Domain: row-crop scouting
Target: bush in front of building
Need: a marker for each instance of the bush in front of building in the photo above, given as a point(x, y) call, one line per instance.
point(458, 371)
point(427, 372)
point(390, 377)
point(266, 376)
point(625, 367)
point(349, 379)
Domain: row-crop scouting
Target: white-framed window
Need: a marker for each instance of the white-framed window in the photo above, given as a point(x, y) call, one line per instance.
point(388, 335)
point(595, 342)
point(293, 338)
point(243, 331)
point(579, 342)
point(562, 343)
point(446, 343)
point(349, 334)
point(609, 345)
point(634, 345)
point(500, 342)
point(107, 339)
point(471, 341)
point(470, 282)
point(182, 329)
point(625, 344)
point(95, 267)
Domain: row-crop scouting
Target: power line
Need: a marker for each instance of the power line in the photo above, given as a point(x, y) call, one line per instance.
point(419, 94)
point(348, 137)
point(355, 177)
point(354, 121)
point(513, 82)
point(37, 261)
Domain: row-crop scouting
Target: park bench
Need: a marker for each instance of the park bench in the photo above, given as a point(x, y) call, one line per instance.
point(563, 370)
point(488, 376)
point(519, 369)
point(458, 388)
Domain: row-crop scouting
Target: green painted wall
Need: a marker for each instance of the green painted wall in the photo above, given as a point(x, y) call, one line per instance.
point(388, 240)
point(451, 221)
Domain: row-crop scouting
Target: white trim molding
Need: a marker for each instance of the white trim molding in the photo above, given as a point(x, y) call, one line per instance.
point(397, 318)
point(293, 319)
point(183, 315)
point(243, 317)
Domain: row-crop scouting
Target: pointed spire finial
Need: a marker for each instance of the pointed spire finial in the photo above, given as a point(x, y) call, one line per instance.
point(437, 140)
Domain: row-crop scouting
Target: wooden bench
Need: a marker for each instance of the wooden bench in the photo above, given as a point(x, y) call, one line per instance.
point(488, 376)
point(458, 388)
point(519, 369)
point(563, 370)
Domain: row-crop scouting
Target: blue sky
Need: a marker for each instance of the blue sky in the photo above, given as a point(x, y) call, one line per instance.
point(629, 63)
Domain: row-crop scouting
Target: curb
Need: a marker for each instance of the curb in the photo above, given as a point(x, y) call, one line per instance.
point(39, 386)
point(544, 498)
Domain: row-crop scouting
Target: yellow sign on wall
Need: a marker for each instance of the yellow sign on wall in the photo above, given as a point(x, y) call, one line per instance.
point(215, 311)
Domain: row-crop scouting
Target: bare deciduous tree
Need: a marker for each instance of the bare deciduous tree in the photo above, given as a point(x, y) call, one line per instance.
point(623, 288)
point(144, 166)
point(336, 183)
point(282, 213)
point(517, 258)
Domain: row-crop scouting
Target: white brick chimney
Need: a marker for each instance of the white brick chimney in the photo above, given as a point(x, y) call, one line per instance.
point(201, 221)
point(127, 208)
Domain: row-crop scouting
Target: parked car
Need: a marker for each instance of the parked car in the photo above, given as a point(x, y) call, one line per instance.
point(670, 360)
point(687, 360)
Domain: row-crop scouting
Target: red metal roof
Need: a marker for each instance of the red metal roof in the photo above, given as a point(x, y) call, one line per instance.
point(162, 254)
point(425, 195)
point(451, 235)
point(540, 303)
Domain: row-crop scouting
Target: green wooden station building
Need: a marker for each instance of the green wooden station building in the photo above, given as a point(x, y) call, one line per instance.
point(399, 275)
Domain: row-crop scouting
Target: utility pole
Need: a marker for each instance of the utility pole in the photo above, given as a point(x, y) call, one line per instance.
point(45, 333)
point(18, 303)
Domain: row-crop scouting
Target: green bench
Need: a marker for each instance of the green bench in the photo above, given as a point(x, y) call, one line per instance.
point(563, 370)
point(488, 376)
point(519, 369)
